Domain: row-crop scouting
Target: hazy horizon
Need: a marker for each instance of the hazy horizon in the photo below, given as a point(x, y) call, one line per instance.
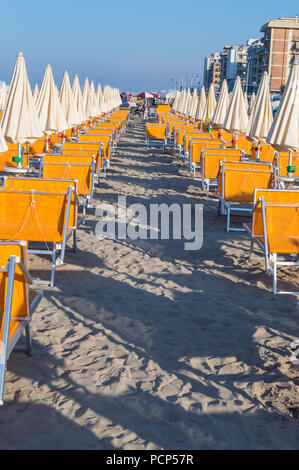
point(130, 45)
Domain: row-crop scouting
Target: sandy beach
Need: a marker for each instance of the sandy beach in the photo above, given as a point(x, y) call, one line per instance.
point(143, 345)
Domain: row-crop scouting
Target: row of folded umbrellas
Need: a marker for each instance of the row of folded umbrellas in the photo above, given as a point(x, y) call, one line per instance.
point(232, 112)
point(28, 116)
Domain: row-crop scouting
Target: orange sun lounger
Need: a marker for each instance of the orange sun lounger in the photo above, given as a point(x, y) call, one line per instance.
point(45, 213)
point(94, 149)
point(195, 148)
point(237, 183)
point(17, 303)
point(275, 229)
point(210, 163)
point(74, 167)
point(156, 134)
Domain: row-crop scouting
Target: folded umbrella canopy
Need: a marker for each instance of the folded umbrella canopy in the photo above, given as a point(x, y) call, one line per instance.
point(78, 99)
point(210, 105)
point(176, 101)
point(187, 102)
point(95, 103)
point(3, 144)
point(35, 93)
point(236, 119)
point(3, 96)
point(182, 101)
point(49, 109)
point(101, 101)
point(87, 100)
point(261, 117)
point(85, 93)
point(284, 132)
point(222, 106)
point(193, 104)
point(201, 104)
point(68, 102)
point(20, 123)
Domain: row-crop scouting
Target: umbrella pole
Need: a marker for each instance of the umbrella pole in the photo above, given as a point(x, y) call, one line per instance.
point(47, 143)
point(19, 165)
point(290, 168)
point(258, 152)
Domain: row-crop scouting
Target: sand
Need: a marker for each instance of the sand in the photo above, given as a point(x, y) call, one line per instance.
point(143, 345)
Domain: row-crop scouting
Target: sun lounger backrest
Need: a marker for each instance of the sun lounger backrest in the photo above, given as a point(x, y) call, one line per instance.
point(20, 298)
point(266, 153)
point(156, 131)
point(48, 186)
point(77, 167)
point(244, 144)
point(237, 182)
point(197, 145)
point(211, 158)
point(33, 215)
point(270, 196)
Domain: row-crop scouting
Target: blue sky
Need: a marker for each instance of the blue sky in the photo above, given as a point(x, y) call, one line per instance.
point(131, 44)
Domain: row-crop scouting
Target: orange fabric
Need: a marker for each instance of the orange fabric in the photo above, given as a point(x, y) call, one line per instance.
point(211, 159)
point(156, 131)
point(70, 167)
point(240, 183)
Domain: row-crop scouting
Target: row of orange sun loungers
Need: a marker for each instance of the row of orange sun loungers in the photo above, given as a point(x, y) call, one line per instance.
point(245, 178)
point(40, 212)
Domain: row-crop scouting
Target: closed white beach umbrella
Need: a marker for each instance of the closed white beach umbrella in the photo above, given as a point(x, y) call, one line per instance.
point(261, 117)
point(284, 132)
point(95, 104)
point(85, 93)
point(187, 102)
point(201, 104)
point(236, 119)
point(68, 103)
point(193, 105)
point(3, 96)
point(222, 106)
point(78, 99)
point(182, 101)
point(35, 93)
point(49, 109)
point(176, 101)
point(20, 123)
point(3, 144)
point(210, 105)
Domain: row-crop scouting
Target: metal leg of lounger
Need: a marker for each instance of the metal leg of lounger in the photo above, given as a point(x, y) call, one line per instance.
point(251, 249)
point(228, 218)
point(6, 323)
point(60, 260)
point(275, 278)
point(75, 240)
point(54, 253)
point(28, 340)
point(89, 204)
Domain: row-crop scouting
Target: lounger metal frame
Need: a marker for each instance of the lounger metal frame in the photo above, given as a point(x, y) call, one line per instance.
point(225, 207)
point(271, 259)
point(57, 248)
point(87, 200)
point(6, 345)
